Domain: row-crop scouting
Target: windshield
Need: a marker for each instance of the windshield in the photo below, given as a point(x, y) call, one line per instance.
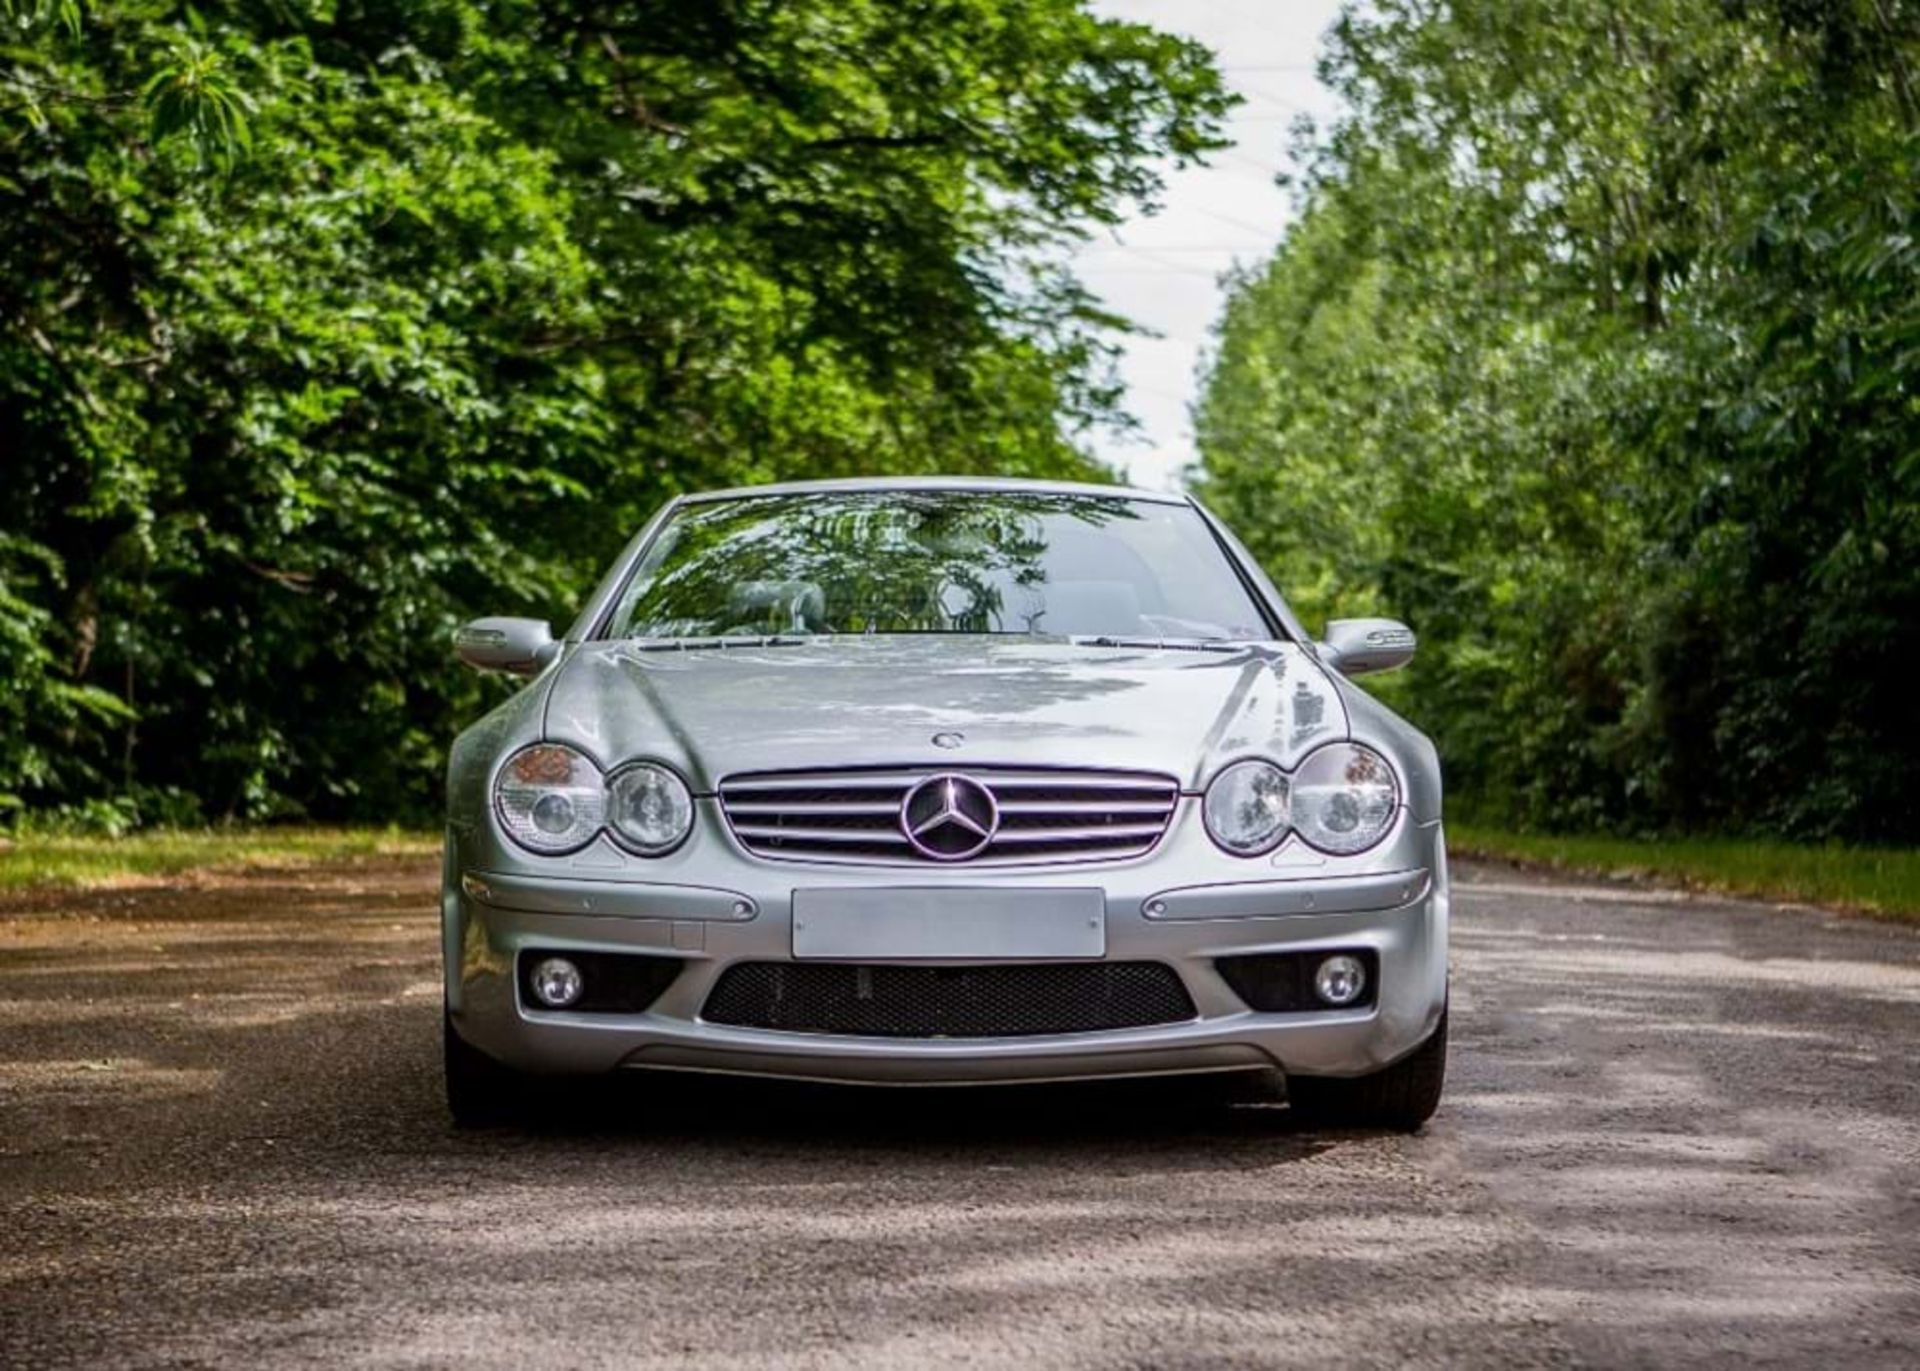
point(936, 561)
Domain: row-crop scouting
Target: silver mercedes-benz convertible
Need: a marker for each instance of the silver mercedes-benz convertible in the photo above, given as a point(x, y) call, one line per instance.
point(940, 782)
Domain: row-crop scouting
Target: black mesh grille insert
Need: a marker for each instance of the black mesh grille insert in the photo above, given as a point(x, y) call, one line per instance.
point(997, 1001)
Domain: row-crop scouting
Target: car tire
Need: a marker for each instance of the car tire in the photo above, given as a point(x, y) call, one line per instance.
point(1400, 1098)
point(480, 1091)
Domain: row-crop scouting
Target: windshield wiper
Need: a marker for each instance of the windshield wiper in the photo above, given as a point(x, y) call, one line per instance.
point(1166, 644)
point(711, 644)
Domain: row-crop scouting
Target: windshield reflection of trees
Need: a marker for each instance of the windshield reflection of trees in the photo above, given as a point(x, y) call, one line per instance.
point(934, 562)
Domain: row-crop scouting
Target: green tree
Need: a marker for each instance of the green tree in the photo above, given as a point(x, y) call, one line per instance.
point(1593, 353)
point(329, 324)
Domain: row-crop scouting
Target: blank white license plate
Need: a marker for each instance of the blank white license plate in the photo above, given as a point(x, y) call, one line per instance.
point(894, 923)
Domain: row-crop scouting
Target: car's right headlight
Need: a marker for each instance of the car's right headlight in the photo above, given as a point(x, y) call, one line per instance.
point(550, 798)
point(1341, 800)
point(1246, 807)
point(649, 807)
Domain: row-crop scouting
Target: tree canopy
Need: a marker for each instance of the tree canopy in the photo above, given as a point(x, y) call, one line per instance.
point(1595, 353)
point(325, 324)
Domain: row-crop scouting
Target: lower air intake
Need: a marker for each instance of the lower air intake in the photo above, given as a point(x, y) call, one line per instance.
point(947, 1001)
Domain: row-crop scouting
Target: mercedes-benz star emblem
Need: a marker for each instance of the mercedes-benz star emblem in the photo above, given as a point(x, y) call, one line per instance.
point(949, 818)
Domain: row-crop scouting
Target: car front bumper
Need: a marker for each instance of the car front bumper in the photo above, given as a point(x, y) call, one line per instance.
point(1395, 903)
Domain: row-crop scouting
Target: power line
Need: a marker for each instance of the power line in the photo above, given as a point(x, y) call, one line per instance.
point(1270, 168)
point(1230, 219)
point(1178, 247)
point(1260, 92)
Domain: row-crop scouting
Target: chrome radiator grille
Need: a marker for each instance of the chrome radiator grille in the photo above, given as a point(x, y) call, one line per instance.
point(856, 815)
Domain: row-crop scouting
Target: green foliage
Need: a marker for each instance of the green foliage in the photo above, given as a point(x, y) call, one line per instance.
point(1595, 353)
point(35, 14)
point(194, 94)
point(326, 325)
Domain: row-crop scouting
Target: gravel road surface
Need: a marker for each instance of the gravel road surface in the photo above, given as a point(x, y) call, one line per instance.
point(1679, 1131)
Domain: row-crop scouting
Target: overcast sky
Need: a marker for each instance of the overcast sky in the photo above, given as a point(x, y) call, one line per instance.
point(1162, 270)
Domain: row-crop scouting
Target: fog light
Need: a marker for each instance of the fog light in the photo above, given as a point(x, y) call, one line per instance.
point(556, 982)
point(1340, 980)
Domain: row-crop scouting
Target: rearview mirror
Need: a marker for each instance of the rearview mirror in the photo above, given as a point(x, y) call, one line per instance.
point(521, 646)
point(1355, 647)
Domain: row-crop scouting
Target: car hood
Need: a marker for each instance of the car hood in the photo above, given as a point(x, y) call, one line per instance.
point(879, 701)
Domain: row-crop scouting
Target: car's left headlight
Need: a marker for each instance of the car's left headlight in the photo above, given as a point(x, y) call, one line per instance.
point(1344, 798)
point(649, 807)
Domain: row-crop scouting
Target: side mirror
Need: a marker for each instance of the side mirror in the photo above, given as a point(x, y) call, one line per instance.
point(1355, 647)
point(521, 646)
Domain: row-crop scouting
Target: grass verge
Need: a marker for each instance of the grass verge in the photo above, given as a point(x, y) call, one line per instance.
point(1868, 880)
point(145, 857)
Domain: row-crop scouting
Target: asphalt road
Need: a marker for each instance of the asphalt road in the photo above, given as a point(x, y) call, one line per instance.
point(1678, 1132)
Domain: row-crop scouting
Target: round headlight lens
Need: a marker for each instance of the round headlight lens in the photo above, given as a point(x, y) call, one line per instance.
point(1344, 798)
point(1246, 808)
point(649, 808)
point(549, 798)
